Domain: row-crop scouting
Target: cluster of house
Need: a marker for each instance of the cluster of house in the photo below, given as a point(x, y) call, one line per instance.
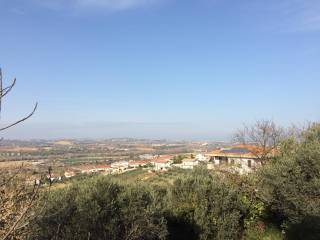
point(240, 158)
point(116, 167)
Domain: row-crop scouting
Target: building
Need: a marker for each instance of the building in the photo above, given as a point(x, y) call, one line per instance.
point(162, 163)
point(242, 158)
point(202, 158)
point(136, 164)
point(189, 163)
point(69, 174)
point(54, 177)
point(86, 169)
point(119, 166)
point(103, 168)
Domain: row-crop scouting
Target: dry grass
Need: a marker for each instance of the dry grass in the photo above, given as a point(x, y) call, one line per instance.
point(14, 164)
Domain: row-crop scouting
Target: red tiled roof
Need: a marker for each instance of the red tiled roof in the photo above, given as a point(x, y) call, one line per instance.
point(103, 166)
point(162, 159)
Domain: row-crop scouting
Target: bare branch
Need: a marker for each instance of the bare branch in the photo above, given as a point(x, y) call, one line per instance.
point(16, 199)
point(24, 212)
point(6, 90)
point(21, 120)
point(264, 134)
point(12, 176)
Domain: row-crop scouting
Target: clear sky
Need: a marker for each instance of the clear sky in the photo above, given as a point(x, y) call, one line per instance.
point(177, 69)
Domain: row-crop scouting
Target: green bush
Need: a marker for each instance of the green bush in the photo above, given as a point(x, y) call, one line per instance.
point(291, 186)
point(100, 209)
point(194, 204)
point(204, 207)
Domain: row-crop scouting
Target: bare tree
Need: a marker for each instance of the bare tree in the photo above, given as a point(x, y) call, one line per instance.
point(17, 194)
point(264, 135)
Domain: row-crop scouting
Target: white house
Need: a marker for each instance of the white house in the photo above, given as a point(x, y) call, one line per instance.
point(119, 166)
point(103, 168)
point(189, 163)
point(136, 164)
point(202, 158)
point(86, 169)
point(241, 158)
point(69, 174)
point(162, 163)
point(54, 177)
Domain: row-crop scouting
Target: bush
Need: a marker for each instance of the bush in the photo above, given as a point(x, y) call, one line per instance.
point(194, 204)
point(291, 186)
point(100, 209)
point(204, 207)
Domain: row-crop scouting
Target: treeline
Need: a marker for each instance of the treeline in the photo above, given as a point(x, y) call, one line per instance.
point(199, 204)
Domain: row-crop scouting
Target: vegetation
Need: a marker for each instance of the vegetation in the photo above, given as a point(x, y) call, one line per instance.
point(279, 201)
point(291, 186)
point(198, 206)
point(178, 159)
point(17, 194)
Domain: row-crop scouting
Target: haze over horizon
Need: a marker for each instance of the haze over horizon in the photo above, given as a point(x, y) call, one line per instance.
point(158, 68)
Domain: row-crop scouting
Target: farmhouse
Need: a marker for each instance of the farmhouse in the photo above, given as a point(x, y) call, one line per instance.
point(242, 157)
point(69, 174)
point(189, 163)
point(162, 163)
point(136, 164)
point(103, 168)
point(202, 158)
point(119, 166)
point(86, 169)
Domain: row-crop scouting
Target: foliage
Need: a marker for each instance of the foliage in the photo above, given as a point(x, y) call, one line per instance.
point(100, 209)
point(290, 186)
point(260, 231)
point(204, 207)
point(17, 197)
point(178, 159)
point(198, 204)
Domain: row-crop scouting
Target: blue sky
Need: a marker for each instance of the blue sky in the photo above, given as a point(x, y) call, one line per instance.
point(192, 69)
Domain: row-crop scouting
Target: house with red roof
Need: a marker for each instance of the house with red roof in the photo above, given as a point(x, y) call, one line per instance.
point(136, 164)
point(103, 168)
point(162, 163)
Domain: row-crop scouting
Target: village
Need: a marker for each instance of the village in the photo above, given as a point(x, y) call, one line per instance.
point(241, 159)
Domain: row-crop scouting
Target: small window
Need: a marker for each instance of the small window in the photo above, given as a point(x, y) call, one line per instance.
point(232, 161)
point(249, 163)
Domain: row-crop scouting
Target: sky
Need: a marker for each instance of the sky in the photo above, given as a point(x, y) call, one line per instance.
point(174, 69)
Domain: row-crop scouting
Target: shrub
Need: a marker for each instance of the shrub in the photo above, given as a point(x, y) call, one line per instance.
point(100, 209)
point(291, 186)
point(204, 207)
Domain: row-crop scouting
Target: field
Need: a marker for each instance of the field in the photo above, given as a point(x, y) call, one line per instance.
point(14, 164)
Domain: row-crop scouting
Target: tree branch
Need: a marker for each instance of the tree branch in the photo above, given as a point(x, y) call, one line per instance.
point(21, 120)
